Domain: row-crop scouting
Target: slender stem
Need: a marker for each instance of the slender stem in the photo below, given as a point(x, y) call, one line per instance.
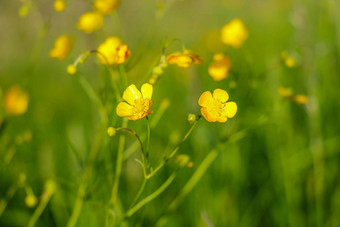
point(38, 211)
point(194, 178)
point(151, 197)
point(147, 144)
point(173, 152)
point(139, 192)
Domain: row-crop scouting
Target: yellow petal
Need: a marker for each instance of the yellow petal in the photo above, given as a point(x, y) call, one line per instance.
point(124, 110)
point(147, 90)
point(131, 94)
point(208, 115)
point(230, 109)
point(220, 95)
point(222, 119)
point(206, 99)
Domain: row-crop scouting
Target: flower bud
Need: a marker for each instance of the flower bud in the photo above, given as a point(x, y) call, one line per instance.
point(111, 131)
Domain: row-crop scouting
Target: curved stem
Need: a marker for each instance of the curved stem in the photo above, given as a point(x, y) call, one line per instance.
point(139, 192)
point(166, 159)
point(149, 198)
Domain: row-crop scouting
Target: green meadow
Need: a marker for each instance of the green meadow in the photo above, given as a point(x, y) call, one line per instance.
point(171, 155)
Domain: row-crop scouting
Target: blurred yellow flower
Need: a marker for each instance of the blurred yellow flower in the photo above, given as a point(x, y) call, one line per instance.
point(113, 51)
point(288, 60)
point(71, 69)
point(62, 47)
point(138, 103)
point(301, 99)
point(185, 59)
point(285, 92)
point(59, 5)
point(90, 22)
point(16, 100)
point(106, 6)
point(215, 106)
point(220, 67)
point(31, 200)
point(234, 33)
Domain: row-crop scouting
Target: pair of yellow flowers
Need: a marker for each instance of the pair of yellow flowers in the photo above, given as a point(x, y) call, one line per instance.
point(214, 107)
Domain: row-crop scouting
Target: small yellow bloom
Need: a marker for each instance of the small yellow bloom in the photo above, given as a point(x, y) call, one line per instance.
point(288, 60)
point(138, 103)
point(59, 5)
point(301, 99)
point(111, 131)
point(185, 59)
point(285, 92)
point(90, 22)
point(62, 47)
point(234, 33)
point(16, 100)
point(113, 51)
point(31, 200)
point(219, 69)
point(71, 69)
point(106, 6)
point(215, 107)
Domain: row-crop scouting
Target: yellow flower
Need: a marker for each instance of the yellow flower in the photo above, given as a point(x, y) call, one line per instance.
point(219, 69)
point(113, 51)
point(215, 107)
point(16, 100)
point(71, 69)
point(59, 5)
point(106, 6)
point(285, 92)
point(62, 47)
point(90, 22)
point(288, 60)
point(234, 33)
point(301, 99)
point(138, 103)
point(185, 59)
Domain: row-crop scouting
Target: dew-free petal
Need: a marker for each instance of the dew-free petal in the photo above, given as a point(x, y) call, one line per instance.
point(131, 94)
point(124, 110)
point(220, 95)
point(147, 90)
point(206, 99)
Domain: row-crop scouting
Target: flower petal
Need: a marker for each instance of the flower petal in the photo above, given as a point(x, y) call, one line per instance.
point(131, 94)
point(124, 110)
point(147, 90)
point(206, 99)
point(230, 109)
point(208, 115)
point(220, 95)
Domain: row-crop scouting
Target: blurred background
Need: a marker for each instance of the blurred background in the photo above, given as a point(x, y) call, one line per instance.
point(278, 159)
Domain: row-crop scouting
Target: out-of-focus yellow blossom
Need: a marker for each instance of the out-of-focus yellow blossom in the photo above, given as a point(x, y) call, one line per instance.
point(71, 69)
point(288, 60)
point(138, 103)
point(16, 100)
point(113, 51)
point(90, 22)
point(185, 59)
point(219, 69)
point(285, 92)
point(31, 200)
point(25, 8)
point(234, 33)
point(215, 106)
point(106, 6)
point(301, 99)
point(59, 5)
point(62, 47)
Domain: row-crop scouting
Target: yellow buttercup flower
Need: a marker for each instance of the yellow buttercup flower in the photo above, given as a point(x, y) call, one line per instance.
point(16, 100)
point(215, 106)
point(106, 6)
point(219, 69)
point(285, 92)
point(113, 51)
point(301, 99)
point(62, 47)
point(138, 103)
point(185, 59)
point(90, 22)
point(234, 33)
point(288, 60)
point(59, 5)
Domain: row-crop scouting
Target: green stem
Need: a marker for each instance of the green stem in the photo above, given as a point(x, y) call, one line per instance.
point(149, 198)
point(166, 159)
point(147, 144)
point(194, 178)
point(38, 211)
point(139, 192)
